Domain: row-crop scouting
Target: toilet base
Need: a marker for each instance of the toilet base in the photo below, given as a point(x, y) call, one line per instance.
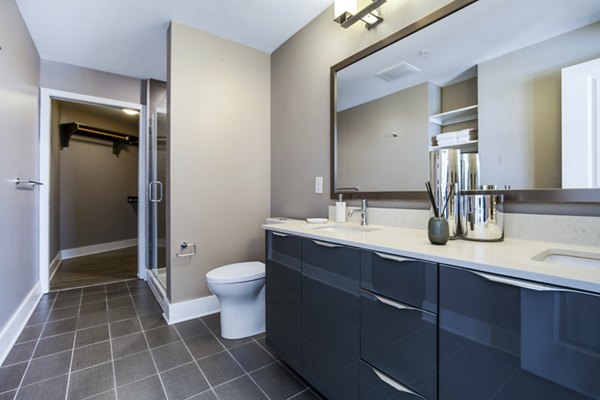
point(243, 320)
point(241, 316)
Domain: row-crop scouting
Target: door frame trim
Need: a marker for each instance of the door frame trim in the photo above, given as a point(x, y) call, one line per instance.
point(46, 97)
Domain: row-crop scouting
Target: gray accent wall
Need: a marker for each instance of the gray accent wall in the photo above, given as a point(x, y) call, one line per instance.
point(300, 112)
point(19, 108)
point(94, 184)
point(218, 156)
point(300, 102)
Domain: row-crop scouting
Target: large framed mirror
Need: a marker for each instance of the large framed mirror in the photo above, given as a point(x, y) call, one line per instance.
point(497, 69)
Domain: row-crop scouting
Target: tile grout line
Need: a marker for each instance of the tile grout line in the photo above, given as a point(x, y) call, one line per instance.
point(92, 285)
point(148, 344)
point(112, 354)
point(284, 366)
point(238, 363)
point(35, 348)
point(210, 387)
point(72, 348)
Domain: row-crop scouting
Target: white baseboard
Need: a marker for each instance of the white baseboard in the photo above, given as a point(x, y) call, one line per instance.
point(13, 328)
point(97, 248)
point(54, 266)
point(185, 310)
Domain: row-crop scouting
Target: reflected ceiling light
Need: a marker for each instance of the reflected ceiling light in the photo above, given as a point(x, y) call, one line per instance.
point(130, 112)
point(346, 14)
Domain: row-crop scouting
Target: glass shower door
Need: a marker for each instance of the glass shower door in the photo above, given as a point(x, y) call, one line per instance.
point(157, 146)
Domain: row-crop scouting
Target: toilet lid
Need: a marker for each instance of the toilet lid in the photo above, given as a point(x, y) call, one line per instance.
point(240, 272)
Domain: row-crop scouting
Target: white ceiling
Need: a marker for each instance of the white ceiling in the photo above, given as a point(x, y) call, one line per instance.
point(129, 37)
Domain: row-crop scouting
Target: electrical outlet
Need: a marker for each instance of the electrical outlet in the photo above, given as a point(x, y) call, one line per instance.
point(319, 185)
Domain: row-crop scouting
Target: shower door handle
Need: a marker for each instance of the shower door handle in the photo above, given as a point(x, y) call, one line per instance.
point(159, 186)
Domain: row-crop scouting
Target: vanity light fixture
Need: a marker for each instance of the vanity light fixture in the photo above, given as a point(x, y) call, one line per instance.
point(346, 14)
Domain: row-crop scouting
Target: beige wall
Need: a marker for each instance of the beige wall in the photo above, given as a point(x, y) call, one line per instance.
point(300, 102)
point(219, 165)
point(19, 99)
point(94, 183)
point(71, 78)
point(383, 144)
point(520, 112)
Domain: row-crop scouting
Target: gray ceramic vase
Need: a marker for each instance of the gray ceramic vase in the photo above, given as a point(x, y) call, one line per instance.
point(437, 230)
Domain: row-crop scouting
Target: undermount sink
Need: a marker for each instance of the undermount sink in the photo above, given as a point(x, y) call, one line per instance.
point(569, 257)
point(346, 229)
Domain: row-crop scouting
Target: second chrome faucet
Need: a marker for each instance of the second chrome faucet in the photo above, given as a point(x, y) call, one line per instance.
point(363, 212)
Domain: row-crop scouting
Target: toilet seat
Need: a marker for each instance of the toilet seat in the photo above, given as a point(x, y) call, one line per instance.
point(236, 273)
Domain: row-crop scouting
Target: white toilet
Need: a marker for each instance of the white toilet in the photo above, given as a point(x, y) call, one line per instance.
point(240, 289)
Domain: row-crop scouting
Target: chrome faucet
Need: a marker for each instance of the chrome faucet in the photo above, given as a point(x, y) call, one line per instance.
point(363, 212)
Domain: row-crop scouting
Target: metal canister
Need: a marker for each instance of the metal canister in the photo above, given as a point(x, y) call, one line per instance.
point(444, 173)
point(469, 166)
point(483, 216)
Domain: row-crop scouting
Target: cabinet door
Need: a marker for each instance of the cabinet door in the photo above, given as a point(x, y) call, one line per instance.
point(400, 341)
point(330, 318)
point(283, 297)
point(504, 338)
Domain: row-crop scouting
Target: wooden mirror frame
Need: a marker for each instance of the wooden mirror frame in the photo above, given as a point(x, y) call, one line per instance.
point(526, 195)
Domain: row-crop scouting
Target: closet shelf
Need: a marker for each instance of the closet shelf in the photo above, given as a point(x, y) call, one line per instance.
point(468, 147)
point(455, 116)
point(75, 128)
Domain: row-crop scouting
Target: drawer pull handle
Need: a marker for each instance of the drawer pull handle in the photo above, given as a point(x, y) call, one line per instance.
point(280, 234)
point(390, 382)
point(522, 284)
point(325, 244)
point(395, 304)
point(391, 257)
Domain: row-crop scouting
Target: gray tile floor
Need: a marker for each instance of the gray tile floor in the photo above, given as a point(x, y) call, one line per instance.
point(110, 342)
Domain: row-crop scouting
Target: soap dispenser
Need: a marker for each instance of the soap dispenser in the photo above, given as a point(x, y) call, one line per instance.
point(340, 210)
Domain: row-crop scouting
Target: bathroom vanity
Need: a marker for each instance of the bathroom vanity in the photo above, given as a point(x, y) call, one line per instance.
point(383, 314)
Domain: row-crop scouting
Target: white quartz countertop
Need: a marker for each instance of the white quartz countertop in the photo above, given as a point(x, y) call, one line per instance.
point(512, 257)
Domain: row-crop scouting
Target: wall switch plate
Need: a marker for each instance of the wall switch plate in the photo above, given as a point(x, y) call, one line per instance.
point(319, 185)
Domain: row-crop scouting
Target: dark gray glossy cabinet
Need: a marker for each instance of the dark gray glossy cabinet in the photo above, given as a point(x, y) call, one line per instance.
point(508, 339)
point(331, 318)
point(398, 308)
point(284, 297)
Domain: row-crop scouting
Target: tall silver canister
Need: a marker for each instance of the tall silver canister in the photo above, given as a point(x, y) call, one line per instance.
point(469, 167)
point(483, 215)
point(444, 173)
point(469, 180)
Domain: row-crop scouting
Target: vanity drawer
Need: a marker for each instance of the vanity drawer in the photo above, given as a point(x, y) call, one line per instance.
point(410, 281)
point(400, 341)
point(331, 318)
point(284, 249)
point(374, 385)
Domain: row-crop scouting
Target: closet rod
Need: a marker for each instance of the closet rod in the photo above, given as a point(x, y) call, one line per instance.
point(120, 137)
point(75, 128)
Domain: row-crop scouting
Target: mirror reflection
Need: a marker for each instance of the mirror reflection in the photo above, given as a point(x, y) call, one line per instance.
point(490, 79)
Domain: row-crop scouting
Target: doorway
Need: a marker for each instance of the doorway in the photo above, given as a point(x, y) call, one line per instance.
point(93, 194)
point(83, 185)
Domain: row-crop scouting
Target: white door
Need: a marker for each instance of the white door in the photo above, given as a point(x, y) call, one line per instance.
point(580, 125)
